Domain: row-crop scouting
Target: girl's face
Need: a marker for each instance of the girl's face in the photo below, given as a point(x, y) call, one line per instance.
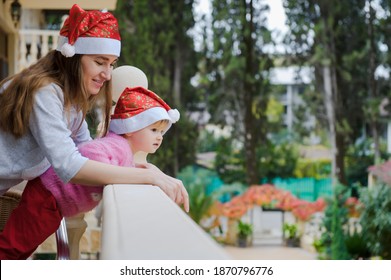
point(148, 139)
point(96, 71)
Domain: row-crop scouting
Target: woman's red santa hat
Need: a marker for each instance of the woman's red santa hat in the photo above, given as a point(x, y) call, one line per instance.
point(138, 108)
point(89, 32)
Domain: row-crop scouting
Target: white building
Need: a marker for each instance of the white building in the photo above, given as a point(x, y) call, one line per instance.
point(295, 79)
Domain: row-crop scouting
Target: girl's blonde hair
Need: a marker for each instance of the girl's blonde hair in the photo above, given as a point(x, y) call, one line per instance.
point(17, 100)
point(162, 122)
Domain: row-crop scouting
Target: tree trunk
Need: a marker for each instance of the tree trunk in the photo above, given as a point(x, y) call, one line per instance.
point(330, 110)
point(177, 77)
point(333, 105)
point(249, 93)
point(372, 84)
point(178, 64)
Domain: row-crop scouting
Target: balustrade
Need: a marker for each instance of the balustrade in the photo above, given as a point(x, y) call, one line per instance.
point(35, 43)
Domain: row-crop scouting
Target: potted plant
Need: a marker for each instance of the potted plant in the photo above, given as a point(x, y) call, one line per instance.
point(245, 231)
point(291, 234)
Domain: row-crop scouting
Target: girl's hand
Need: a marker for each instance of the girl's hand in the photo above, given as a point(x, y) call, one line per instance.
point(173, 187)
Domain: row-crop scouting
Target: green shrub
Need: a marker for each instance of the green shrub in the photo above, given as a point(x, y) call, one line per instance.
point(196, 180)
point(331, 243)
point(273, 161)
point(277, 160)
point(376, 220)
point(309, 168)
point(357, 246)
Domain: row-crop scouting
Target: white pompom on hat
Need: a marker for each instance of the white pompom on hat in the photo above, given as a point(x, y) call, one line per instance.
point(127, 76)
point(89, 32)
point(138, 108)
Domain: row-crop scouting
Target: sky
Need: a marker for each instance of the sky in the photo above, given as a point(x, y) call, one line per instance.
point(277, 15)
point(276, 19)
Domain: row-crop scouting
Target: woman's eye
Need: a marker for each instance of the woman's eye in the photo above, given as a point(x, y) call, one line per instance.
point(99, 63)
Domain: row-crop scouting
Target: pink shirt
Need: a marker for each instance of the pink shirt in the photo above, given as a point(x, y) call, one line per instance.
point(73, 199)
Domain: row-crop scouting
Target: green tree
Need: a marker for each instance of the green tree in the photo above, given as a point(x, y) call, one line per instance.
point(339, 250)
point(337, 38)
point(332, 241)
point(237, 70)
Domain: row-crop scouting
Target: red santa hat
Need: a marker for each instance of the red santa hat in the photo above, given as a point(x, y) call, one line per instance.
point(138, 108)
point(89, 32)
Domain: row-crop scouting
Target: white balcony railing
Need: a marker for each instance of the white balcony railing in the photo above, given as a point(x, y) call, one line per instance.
point(141, 222)
point(34, 44)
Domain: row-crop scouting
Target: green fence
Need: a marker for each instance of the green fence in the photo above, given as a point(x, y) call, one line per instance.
point(309, 189)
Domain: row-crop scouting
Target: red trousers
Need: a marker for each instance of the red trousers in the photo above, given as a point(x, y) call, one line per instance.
point(31, 223)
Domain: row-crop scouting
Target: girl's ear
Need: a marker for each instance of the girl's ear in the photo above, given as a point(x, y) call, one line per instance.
point(129, 134)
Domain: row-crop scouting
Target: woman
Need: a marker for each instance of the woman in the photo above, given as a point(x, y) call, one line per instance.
point(43, 109)
point(138, 124)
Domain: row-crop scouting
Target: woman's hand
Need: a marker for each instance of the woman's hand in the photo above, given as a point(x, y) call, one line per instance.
point(173, 187)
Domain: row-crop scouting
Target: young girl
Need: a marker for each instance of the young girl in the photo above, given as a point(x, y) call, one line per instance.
point(140, 120)
point(43, 109)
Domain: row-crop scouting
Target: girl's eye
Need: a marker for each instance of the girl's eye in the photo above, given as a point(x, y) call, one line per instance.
point(99, 63)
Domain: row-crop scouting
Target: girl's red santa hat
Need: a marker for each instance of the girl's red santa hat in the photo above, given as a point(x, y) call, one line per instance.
point(138, 108)
point(89, 32)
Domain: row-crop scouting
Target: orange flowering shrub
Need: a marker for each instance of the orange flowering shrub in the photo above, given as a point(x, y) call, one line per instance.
point(235, 208)
point(304, 210)
point(288, 201)
point(268, 195)
point(354, 206)
point(264, 195)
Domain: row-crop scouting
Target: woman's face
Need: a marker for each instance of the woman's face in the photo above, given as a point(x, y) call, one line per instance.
point(96, 71)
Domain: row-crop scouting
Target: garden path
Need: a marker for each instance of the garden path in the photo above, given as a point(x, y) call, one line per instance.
point(269, 252)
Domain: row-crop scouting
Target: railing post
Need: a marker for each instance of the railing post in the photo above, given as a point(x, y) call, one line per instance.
point(23, 53)
point(39, 38)
point(33, 50)
point(44, 45)
point(76, 226)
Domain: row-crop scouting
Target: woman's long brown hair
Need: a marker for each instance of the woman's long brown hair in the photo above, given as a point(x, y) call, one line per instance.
point(17, 100)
